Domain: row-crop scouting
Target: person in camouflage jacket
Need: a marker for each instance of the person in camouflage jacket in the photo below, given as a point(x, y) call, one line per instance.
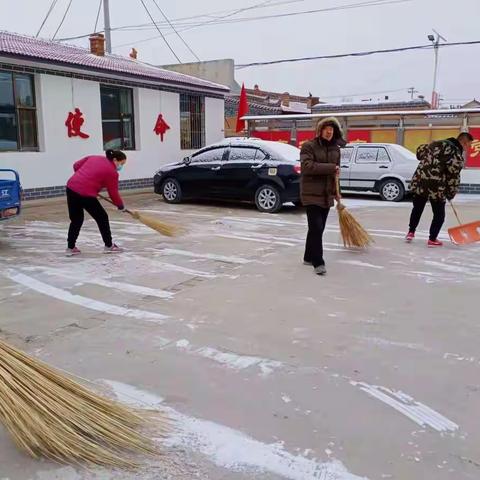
point(437, 179)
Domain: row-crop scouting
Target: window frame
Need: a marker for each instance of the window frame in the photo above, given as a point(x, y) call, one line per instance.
point(266, 156)
point(194, 158)
point(374, 162)
point(242, 147)
point(122, 116)
point(384, 162)
point(196, 137)
point(343, 160)
point(18, 109)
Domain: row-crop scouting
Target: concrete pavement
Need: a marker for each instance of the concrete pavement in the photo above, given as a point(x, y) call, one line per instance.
point(269, 371)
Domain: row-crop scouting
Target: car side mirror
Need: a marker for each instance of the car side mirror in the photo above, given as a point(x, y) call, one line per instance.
point(187, 160)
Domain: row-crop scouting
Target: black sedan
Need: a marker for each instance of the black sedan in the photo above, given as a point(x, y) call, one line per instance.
point(239, 169)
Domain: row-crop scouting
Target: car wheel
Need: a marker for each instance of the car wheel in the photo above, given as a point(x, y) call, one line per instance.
point(267, 199)
point(392, 190)
point(171, 191)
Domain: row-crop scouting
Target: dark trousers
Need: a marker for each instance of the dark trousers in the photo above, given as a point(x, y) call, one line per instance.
point(317, 219)
point(76, 205)
point(438, 208)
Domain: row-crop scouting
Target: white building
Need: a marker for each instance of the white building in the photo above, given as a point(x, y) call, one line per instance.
point(42, 83)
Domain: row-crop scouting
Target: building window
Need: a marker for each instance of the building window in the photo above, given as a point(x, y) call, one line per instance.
point(18, 115)
point(117, 118)
point(192, 122)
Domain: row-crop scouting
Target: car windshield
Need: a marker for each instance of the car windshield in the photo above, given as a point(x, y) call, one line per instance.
point(284, 150)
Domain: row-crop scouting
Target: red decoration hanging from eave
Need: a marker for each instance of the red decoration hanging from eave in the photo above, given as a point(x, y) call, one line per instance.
point(161, 127)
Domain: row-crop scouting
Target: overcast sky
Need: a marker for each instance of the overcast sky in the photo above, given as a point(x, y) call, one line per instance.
point(322, 33)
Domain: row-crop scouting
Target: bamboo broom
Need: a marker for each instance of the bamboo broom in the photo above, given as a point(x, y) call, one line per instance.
point(166, 229)
point(353, 234)
point(50, 415)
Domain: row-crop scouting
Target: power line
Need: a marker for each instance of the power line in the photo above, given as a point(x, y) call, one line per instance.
point(371, 3)
point(363, 4)
point(179, 21)
point(355, 54)
point(50, 9)
point(227, 20)
point(63, 19)
point(98, 16)
point(176, 31)
point(257, 5)
point(160, 32)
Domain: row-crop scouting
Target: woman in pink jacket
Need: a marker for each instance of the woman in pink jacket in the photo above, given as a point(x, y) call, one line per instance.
point(93, 174)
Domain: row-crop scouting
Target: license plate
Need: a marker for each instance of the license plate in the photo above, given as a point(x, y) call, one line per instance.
point(9, 212)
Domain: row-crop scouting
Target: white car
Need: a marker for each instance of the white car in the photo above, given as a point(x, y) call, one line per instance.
point(385, 168)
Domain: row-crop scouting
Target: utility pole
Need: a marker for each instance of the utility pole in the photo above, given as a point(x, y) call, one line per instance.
point(435, 39)
point(412, 92)
point(108, 30)
point(441, 99)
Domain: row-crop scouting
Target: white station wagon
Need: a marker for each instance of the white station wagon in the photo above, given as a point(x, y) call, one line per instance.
point(385, 168)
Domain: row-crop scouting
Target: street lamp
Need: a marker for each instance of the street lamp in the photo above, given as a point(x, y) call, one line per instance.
point(435, 39)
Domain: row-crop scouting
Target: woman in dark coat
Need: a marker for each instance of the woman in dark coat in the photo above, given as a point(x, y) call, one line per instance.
point(320, 165)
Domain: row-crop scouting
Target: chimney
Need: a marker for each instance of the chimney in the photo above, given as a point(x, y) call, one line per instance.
point(97, 44)
point(312, 101)
point(285, 99)
point(133, 53)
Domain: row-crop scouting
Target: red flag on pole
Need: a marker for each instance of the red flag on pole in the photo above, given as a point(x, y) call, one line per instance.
point(242, 110)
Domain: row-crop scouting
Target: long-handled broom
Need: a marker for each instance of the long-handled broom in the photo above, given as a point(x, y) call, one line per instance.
point(161, 227)
point(50, 415)
point(353, 234)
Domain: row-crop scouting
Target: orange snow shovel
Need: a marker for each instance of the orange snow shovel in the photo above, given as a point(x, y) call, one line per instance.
point(464, 234)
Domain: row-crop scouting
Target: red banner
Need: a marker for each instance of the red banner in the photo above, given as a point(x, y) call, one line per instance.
point(473, 158)
point(359, 136)
point(283, 137)
point(303, 137)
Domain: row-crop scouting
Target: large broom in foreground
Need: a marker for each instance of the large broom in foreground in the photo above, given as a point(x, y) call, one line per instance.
point(353, 234)
point(50, 415)
point(161, 227)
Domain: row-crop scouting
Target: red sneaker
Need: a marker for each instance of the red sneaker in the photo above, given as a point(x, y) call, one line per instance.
point(434, 243)
point(70, 252)
point(410, 236)
point(113, 249)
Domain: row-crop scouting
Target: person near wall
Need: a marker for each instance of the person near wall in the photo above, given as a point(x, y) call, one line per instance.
point(93, 174)
point(320, 159)
point(437, 179)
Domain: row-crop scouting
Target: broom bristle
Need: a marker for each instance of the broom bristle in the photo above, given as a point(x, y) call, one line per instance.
point(353, 234)
point(161, 227)
point(50, 415)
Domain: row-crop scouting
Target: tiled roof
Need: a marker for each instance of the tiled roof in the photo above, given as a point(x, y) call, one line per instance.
point(296, 107)
point(371, 106)
point(264, 93)
point(21, 46)
point(231, 107)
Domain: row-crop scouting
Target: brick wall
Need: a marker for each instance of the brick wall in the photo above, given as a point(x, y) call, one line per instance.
point(58, 191)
